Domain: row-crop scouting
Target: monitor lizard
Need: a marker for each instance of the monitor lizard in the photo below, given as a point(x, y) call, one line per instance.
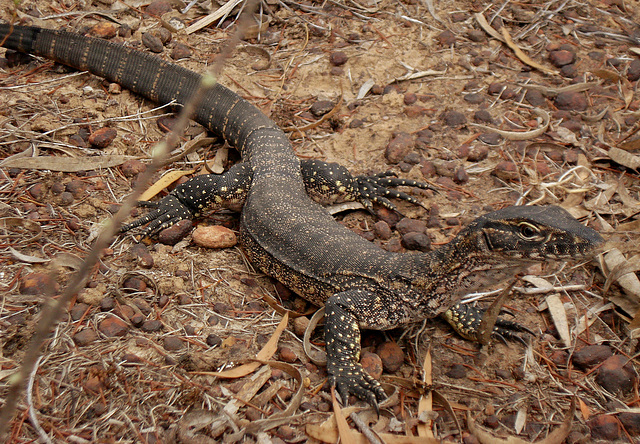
point(291, 237)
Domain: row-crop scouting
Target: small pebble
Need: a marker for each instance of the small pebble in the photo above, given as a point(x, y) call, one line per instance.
point(428, 169)
point(474, 98)
point(112, 326)
point(392, 356)
point(38, 191)
point(158, 7)
point(107, 303)
point(213, 340)
point(321, 107)
point(137, 319)
point(559, 358)
point(77, 188)
point(412, 158)
point(132, 358)
point(338, 58)
point(457, 371)
point(453, 118)
point(476, 35)
point(569, 71)
point(631, 422)
point(413, 111)
point(141, 253)
point(407, 225)
point(300, 325)
point(562, 57)
point(571, 101)
point(410, 98)
point(104, 30)
point(285, 432)
point(287, 355)
point(66, 199)
point(180, 51)
point(103, 137)
point(134, 284)
point(152, 42)
point(184, 299)
point(132, 167)
point(633, 72)
point(496, 88)
point(492, 139)
point(175, 233)
point(163, 34)
point(78, 310)
point(125, 31)
point(57, 188)
point(173, 343)
point(84, 337)
point(401, 144)
point(372, 364)
point(382, 230)
point(482, 116)
point(222, 308)
point(214, 236)
point(535, 98)
point(591, 355)
point(446, 38)
point(151, 326)
point(604, 427)
point(616, 374)
point(416, 241)
point(506, 170)
point(38, 283)
point(460, 176)
point(77, 140)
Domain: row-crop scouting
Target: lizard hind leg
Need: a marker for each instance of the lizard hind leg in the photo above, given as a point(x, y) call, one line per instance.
point(192, 198)
point(342, 337)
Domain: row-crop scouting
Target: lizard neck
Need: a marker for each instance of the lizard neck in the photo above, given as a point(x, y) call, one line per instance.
point(464, 265)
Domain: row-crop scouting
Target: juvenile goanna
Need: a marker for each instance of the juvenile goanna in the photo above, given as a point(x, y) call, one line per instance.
point(292, 238)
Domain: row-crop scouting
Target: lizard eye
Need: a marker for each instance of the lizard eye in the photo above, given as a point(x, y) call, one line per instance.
point(528, 231)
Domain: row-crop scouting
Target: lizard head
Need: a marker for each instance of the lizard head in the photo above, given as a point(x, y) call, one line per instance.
point(534, 233)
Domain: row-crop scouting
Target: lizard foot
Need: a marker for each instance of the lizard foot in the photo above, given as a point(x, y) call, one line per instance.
point(330, 183)
point(357, 382)
point(168, 211)
point(378, 189)
point(465, 320)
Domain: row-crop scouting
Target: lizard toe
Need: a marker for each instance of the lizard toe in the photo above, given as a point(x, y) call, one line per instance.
point(361, 385)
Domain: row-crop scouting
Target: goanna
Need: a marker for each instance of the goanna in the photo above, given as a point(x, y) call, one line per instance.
point(292, 238)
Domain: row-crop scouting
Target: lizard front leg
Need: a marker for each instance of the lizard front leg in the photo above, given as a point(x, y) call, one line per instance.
point(189, 200)
point(465, 319)
point(329, 183)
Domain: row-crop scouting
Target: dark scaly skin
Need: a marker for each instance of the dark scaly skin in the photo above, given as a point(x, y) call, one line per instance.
point(290, 237)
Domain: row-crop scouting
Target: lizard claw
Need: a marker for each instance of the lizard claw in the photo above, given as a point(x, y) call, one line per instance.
point(379, 187)
point(360, 384)
point(168, 211)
